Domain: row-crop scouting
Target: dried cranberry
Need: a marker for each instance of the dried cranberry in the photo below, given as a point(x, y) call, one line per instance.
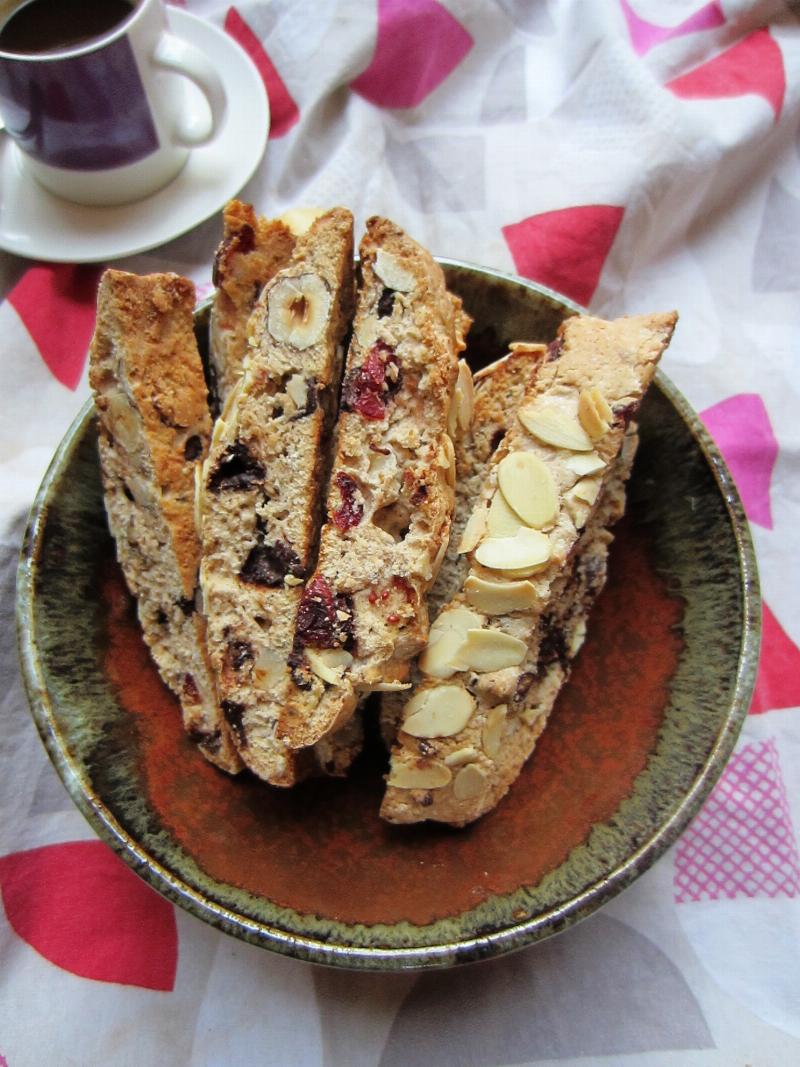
point(242, 242)
point(624, 414)
point(405, 587)
point(524, 682)
point(367, 388)
point(316, 615)
point(268, 564)
point(554, 349)
point(351, 512)
point(190, 690)
point(237, 469)
point(419, 495)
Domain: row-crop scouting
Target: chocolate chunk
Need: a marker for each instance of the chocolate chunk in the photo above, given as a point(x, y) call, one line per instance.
point(497, 437)
point(239, 654)
point(237, 469)
point(193, 448)
point(234, 713)
point(524, 682)
point(553, 647)
point(187, 605)
point(268, 564)
point(299, 670)
point(385, 303)
point(210, 740)
point(161, 617)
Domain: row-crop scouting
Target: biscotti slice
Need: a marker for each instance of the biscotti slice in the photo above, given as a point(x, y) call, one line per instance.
point(390, 502)
point(537, 545)
point(253, 249)
point(263, 483)
point(154, 429)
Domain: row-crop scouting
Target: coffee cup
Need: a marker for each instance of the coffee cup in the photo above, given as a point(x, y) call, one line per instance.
point(95, 97)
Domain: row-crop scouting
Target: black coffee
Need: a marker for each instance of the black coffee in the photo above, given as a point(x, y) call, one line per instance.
point(42, 26)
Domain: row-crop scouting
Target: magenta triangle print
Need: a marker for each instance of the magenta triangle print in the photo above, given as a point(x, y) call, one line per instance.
point(565, 249)
point(284, 112)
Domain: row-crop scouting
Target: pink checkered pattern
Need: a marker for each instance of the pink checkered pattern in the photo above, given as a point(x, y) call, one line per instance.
point(742, 843)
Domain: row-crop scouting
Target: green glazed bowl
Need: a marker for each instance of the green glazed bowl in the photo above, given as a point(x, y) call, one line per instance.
point(637, 740)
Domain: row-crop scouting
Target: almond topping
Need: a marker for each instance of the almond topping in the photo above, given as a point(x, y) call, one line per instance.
point(474, 530)
point(462, 756)
point(502, 521)
point(529, 488)
point(441, 658)
point(464, 395)
point(425, 776)
point(594, 413)
point(297, 390)
point(527, 549)
point(499, 598)
point(470, 782)
point(493, 730)
point(584, 463)
point(554, 427)
point(329, 664)
point(587, 489)
point(123, 421)
point(492, 650)
point(439, 712)
point(390, 687)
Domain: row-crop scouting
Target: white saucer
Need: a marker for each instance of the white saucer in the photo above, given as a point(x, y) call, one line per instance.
point(38, 225)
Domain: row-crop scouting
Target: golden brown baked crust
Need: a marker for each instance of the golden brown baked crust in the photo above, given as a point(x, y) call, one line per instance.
point(262, 489)
point(154, 428)
point(253, 249)
point(363, 614)
point(536, 544)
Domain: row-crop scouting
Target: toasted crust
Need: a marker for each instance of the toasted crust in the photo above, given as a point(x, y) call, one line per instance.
point(252, 251)
point(390, 500)
point(154, 428)
point(262, 486)
point(619, 360)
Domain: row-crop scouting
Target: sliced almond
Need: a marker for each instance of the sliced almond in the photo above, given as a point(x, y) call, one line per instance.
point(299, 308)
point(464, 396)
point(529, 488)
point(594, 413)
point(584, 463)
point(474, 530)
point(493, 730)
point(390, 687)
point(492, 650)
point(535, 348)
point(470, 782)
point(499, 598)
point(460, 619)
point(268, 669)
point(527, 549)
point(587, 489)
point(446, 458)
point(441, 658)
point(329, 664)
point(438, 712)
point(502, 521)
point(431, 775)
point(552, 426)
point(392, 272)
point(577, 637)
point(462, 756)
point(123, 421)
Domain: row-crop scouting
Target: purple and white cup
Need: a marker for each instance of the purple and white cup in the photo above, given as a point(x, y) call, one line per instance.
point(105, 118)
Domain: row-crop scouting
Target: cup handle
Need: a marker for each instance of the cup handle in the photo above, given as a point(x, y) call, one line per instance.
point(179, 56)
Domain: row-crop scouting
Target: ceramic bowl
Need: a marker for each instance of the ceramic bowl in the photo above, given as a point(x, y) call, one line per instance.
point(636, 741)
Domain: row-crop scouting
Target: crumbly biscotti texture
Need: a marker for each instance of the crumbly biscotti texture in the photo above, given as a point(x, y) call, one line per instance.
point(363, 614)
point(252, 251)
point(262, 486)
point(154, 429)
point(554, 484)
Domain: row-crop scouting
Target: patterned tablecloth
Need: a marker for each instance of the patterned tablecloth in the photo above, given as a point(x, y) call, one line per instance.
point(635, 155)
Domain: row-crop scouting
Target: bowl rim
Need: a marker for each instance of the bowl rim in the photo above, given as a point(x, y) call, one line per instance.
point(500, 941)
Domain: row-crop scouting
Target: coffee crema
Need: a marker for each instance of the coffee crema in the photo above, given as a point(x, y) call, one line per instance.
point(42, 27)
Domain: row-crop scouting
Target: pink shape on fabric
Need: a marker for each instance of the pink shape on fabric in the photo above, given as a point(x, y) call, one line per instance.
point(742, 843)
point(85, 911)
point(778, 682)
point(419, 43)
point(284, 112)
point(740, 425)
point(56, 303)
point(646, 35)
point(752, 65)
point(565, 249)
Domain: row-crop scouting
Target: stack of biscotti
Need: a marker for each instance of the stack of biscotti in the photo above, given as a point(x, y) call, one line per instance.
point(536, 545)
point(154, 428)
point(363, 613)
point(262, 487)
